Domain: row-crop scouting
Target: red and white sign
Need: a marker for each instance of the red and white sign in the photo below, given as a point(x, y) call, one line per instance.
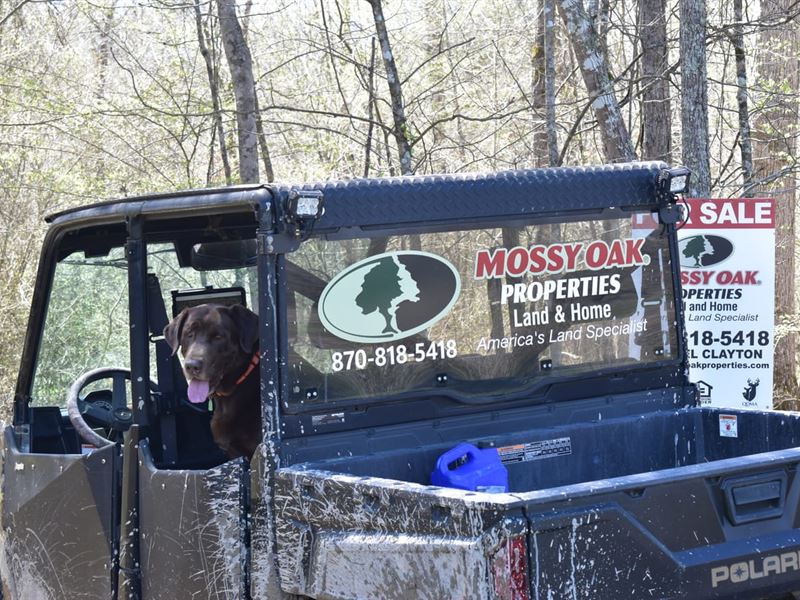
point(731, 213)
point(727, 253)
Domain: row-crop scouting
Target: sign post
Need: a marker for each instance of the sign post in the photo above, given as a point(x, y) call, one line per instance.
point(727, 254)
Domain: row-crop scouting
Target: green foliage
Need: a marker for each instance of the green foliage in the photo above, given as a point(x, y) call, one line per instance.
point(86, 325)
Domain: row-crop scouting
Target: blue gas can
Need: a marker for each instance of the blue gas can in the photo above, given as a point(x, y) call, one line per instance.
point(466, 467)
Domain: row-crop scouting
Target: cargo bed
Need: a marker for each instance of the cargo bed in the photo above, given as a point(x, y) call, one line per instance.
point(673, 503)
point(599, 449)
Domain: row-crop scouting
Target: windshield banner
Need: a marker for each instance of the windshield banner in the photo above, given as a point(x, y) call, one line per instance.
point(727, 254)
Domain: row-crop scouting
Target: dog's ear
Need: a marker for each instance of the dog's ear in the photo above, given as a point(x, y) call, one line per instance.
point(247, 325)
point(173, 330)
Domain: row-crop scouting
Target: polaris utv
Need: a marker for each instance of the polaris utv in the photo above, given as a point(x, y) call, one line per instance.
point(534, 313)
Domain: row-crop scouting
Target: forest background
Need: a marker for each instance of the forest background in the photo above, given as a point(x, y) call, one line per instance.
point(111, 98)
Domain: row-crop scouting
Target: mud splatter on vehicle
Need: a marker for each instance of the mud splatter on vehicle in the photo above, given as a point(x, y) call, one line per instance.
point(522, 312)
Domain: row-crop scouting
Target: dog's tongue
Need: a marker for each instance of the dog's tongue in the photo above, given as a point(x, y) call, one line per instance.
point(198, 391)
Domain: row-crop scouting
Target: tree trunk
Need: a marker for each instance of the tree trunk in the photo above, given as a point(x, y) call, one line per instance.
point(400, 128)
point(370, 101)
point(616, 140)
point(262, 143)
point(548, 23)
point(104, 48)
point(213, 84)
point(745, 141)
point(694, 97)
point(105, 30)
point(545, 138)
point(656, 108)
point(774, 164)
point(241, 66)
point(262, 136)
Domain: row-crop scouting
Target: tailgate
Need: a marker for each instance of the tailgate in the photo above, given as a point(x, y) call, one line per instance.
point(727, 529)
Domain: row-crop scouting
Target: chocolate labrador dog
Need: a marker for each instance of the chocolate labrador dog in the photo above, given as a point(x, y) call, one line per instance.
point(220, 361)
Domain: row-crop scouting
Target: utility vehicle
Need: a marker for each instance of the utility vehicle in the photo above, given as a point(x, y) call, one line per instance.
point(536, 312)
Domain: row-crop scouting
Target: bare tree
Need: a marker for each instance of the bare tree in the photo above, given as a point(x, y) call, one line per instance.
point(742, 92)
point(656, 106)
point(370, 80)
point(587, 45)
point(400, 129)
point(461, 103)
point(775, 168)
point(545, 143)
point(548, 23)
point(262, 142)
point(104, 29)
point(694, 97)
point(241, 66)
point(213, 85)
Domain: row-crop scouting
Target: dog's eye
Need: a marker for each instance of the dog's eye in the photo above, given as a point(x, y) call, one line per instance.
point(218, 336)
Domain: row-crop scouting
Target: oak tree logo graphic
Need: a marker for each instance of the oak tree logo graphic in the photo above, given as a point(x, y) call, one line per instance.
point(697, 248)
point(384, 288)
point(703, 251)
point(389, 297)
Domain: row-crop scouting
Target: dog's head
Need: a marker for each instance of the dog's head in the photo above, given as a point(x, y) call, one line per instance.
point(216, 341)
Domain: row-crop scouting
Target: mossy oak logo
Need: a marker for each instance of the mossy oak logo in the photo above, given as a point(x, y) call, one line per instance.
point(699, 251)
point(389, 297)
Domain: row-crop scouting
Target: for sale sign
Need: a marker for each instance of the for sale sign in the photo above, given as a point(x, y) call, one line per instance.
point(727, 253)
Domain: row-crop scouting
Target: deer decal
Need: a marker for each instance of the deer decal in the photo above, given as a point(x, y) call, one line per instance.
point(750, 391)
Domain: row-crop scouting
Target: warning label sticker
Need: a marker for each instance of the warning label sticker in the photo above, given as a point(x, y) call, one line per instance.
point(535, 450)
point(728, 426)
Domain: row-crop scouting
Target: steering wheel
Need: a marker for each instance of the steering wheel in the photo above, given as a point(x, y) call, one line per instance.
point(109, 408)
